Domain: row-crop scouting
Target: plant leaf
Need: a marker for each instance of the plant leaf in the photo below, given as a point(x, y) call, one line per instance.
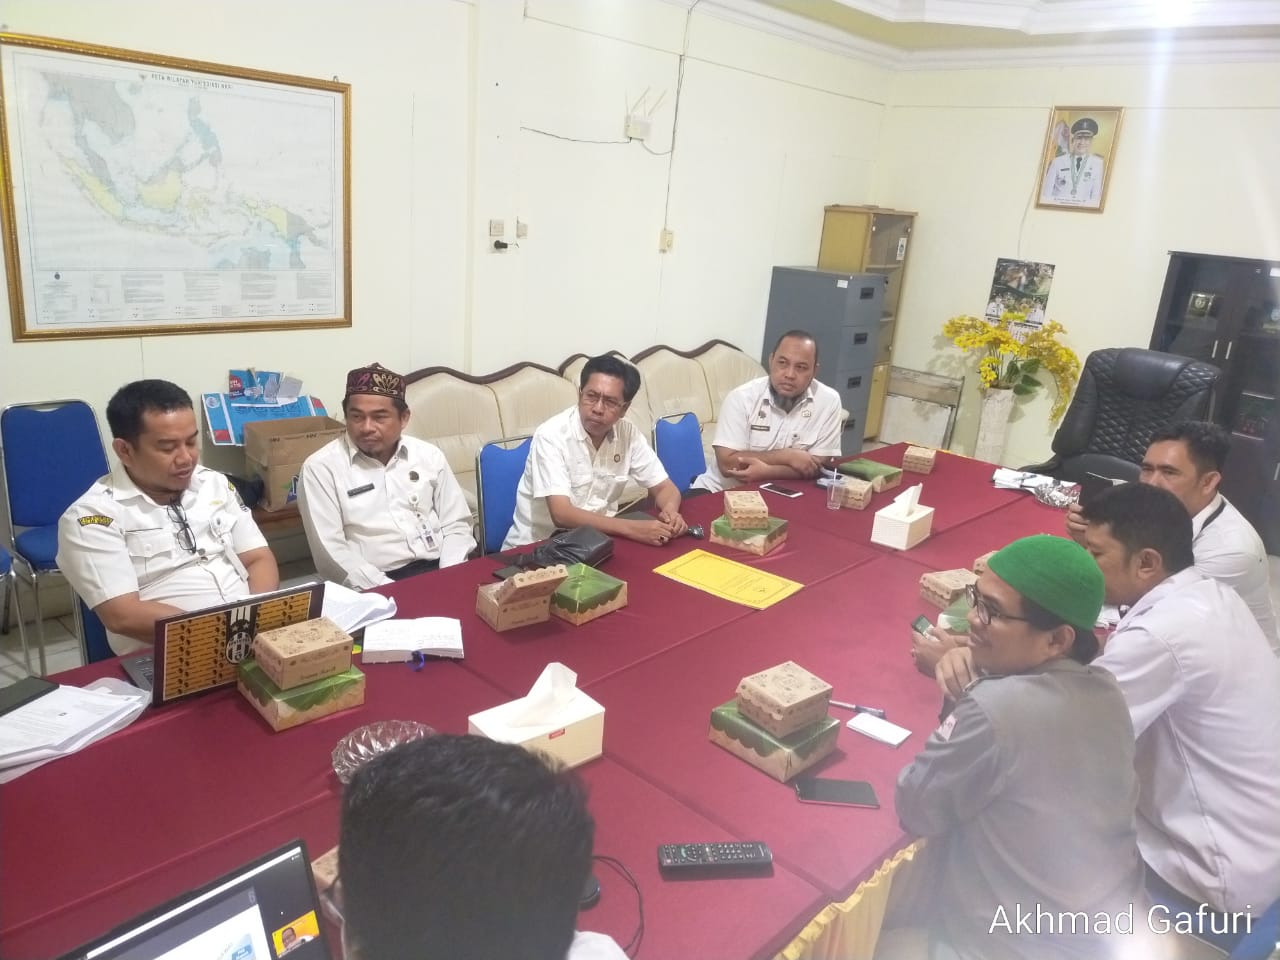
point(1021, 390)
point(1031, 366)
point(1030, 383)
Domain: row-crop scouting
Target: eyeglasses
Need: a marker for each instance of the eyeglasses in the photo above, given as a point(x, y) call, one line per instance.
point(186, 536)
point(985, 612)
point(612, 404)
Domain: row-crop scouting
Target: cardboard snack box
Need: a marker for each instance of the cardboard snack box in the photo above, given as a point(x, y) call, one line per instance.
point(780, 757)
point(283, 709)
point(946, 587)
point(275, 449)
point(980, 563)
point(882, 476)
point(302, 652)
point(586, 594)
point(855, 494)
point(521, 599)
point(919, 459)
point(759, 542)
point(784, 698)
point(746, 510)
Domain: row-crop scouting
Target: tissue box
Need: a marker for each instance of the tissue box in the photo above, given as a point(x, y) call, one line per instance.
point(302, 652)
point(901, 531)
point(288, 708)
point(521, 599)
point(746, 510)
point(945, 587)
point(881, 475)
point(918, 459)
point(587, 594)
point(855, 494)
point(780, 757)
point(980, 563)
point(784, 698)
point(576, 737)
point(759, 542)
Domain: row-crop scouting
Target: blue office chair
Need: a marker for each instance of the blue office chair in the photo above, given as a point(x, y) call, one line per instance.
point(678, 442)
point(11, 598)
point(52, 454)
point(1262, 938)
point(498, 471)
point(93, 635)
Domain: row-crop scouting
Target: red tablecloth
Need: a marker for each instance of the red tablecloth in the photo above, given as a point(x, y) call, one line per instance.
point(959, 546)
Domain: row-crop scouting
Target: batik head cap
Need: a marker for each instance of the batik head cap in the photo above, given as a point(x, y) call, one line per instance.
point(1056, 573)
point(375, 380)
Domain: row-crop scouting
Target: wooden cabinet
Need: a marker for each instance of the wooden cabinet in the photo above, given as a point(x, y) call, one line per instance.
point(870, 240)
point(1226, 311)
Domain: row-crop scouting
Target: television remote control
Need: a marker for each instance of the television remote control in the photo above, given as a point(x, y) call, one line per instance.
point(714, 857)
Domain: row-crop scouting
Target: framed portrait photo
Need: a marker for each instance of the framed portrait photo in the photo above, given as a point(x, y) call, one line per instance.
point(1075, 165)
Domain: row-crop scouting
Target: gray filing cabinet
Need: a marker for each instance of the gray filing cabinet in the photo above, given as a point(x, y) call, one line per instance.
point(842, 312)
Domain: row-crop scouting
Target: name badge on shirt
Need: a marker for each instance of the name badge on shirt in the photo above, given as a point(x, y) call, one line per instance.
point(760, 426)
point(356, 491)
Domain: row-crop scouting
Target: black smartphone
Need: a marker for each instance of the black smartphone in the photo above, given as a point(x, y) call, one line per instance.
point(1092, 485)
point(921, 624)
point(779, 490)
point(854, 793)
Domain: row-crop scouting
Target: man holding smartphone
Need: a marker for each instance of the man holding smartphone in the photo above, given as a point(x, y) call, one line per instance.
point(779, 427)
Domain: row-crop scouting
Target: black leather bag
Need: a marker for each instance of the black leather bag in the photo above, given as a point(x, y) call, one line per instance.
point(579, 545)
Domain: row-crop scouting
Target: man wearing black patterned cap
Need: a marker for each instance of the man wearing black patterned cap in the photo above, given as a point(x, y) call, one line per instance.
point(378, 505)
point(1075, 177)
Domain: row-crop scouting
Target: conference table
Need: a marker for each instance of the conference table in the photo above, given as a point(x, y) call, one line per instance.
point(190, 791)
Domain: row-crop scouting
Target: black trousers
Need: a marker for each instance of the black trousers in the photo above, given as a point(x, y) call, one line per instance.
point(413, 568)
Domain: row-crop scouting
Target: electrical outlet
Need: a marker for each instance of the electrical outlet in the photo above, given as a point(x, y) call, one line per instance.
point(637, 127)
point(522, 229)
point(497, 228)
point(666, 239)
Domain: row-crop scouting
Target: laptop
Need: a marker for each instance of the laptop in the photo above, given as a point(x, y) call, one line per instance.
point(261, 911)
point(200, 650)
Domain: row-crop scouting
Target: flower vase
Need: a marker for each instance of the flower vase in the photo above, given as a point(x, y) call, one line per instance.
point(993, 425)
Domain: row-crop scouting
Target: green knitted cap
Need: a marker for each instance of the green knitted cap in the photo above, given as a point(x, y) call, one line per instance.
point(1054, 572)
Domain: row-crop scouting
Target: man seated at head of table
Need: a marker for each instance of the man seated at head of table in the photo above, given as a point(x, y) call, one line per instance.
point(1187, 460)
point(778, 427)
point(461, 848)
point(377, 505)
point(160, 534)
point(1026, 791)
point(1202, 687)
point(581, 460)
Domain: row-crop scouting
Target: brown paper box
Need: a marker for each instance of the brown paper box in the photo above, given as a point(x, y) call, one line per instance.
point(781, 758)
point(784, 698)
point(918, 459)
point(945, 587)
point(302, 652)
point(758, 542)
point(519, 600)
point(746, 510)
point(275, 449)
point(283, 709)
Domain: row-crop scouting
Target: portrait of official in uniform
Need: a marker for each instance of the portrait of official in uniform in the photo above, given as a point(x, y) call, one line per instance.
point(1077, 158)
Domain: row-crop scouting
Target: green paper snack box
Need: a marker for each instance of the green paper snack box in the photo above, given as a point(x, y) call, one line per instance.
point(288, 708)
point(758, 542)
point(780, 757)
point(586, 594)
point(881, 475)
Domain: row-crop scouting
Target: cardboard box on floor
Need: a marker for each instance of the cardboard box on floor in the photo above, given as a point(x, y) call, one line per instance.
point(275, 449)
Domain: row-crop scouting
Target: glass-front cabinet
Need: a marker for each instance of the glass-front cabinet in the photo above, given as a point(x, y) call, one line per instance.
point(1226, 311)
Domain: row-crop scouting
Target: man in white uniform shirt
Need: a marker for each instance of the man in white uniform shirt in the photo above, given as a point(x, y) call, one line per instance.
point(378, 506)
point(160, 534)
point(1075, 177)
point(581, 460)
point(1186, 459)
point(778, 427)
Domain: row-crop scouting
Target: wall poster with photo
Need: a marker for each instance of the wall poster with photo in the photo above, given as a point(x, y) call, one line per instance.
point(1020, 286)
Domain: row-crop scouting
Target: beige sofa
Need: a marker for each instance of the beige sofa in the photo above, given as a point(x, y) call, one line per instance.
point(461, 412)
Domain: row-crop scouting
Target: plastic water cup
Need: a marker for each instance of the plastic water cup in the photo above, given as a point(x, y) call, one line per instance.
point(835, 495)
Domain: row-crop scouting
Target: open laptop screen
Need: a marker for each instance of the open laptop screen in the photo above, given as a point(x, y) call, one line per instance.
point(262, 911)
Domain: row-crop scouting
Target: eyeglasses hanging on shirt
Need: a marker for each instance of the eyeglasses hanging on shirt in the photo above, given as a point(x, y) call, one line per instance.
point(186, 536)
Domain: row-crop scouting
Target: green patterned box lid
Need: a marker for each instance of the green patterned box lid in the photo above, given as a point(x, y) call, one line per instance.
point(728, 720)
point(956, 617)
point(306, 697)
point(869, 469)
point(720, 527)
point(585, 588)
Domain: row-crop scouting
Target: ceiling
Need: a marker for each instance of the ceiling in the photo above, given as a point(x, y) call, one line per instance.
point(939, 26)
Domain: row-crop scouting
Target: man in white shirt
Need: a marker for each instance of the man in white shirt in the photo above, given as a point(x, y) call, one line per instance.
point(1186, 459)
point(462, 848)
point(377, 505)
point(779, 427)
point(160, 534)
point(1075, 178)
point(581, 460)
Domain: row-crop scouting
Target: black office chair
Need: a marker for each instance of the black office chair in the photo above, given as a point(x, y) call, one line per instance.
point(1125, 394)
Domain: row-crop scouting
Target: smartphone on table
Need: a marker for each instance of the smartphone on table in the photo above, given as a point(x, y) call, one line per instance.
point(779, 489)
point(853, 793)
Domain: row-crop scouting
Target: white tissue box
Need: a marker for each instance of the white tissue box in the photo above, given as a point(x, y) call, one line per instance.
point(892, 528)
point(576, 737)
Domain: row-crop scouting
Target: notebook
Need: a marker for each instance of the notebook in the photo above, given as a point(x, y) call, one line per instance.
point(261, 911)
point(199, 650)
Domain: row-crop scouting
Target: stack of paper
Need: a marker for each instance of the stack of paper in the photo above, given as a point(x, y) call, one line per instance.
point(351, 610)
point(394, 641)
point(1006, 479)
point(878, 729)
point(63, 721)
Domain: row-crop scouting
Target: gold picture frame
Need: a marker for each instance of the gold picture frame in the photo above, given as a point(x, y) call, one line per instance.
point(147, 195)
point(1076, 162)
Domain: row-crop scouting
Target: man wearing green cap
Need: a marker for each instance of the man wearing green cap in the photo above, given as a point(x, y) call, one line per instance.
point(1027, 789)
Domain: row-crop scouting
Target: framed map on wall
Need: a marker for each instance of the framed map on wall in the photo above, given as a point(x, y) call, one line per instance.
point(142, 194)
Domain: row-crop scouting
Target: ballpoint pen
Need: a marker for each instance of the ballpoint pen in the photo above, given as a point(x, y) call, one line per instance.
point(858, 708)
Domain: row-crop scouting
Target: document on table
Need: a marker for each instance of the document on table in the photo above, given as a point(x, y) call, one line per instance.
point(64, 721)
point(392, 641)
point(351, 610)
point(728, 579)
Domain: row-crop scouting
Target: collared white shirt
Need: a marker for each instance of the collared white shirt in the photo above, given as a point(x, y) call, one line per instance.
point(1203, 689)
point(564, 462)
point(115, 540)
point(1229, 550)
point(750, 419)
point(364, 518)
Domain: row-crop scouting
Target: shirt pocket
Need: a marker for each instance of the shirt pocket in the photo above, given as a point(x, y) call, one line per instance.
point(148, 548)
point(610, 485)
